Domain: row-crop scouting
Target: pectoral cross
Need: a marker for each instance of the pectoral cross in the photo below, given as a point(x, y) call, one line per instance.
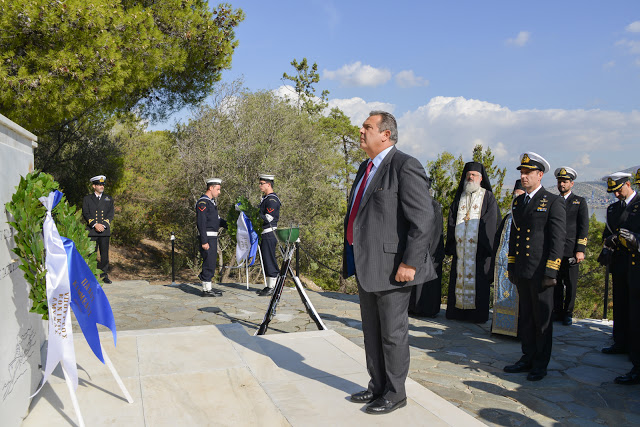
point(466, 217)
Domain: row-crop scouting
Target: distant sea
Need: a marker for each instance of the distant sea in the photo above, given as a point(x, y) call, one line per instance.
point(600, 211)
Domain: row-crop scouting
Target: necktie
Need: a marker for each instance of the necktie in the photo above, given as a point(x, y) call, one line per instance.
point(356, 204)
point(526, 199)
point(624, 204)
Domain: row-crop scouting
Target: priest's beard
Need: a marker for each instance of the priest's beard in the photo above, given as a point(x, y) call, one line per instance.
point(471, 186)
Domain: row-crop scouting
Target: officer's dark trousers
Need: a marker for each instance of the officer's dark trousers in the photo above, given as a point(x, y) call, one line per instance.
point(268, 249)
point(535, 326)
point(564, 297)
point(102, 245)
point(634, 319)
point(209, 258)
point(619, 276)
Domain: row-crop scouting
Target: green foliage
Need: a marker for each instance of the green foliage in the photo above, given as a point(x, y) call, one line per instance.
point(303, 81)
point(60, 61)
point(243, 134)
point(590, 292)
point(28, 215)
point(496, 176)
point(249, 210)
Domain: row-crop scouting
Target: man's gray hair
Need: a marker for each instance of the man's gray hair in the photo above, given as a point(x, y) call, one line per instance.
point(387, 122)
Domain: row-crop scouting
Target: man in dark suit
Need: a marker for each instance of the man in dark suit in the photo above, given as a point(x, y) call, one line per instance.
point(536, 245)
point(97, 210)
point(564, 298)
point(388, 229)
point(617, 217)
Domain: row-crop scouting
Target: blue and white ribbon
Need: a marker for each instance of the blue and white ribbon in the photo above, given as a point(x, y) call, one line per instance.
point(246, 240)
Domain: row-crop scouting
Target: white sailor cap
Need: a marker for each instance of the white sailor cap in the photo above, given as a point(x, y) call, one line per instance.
point(98, 180)
point(531, 160)
point(267, 177)
point(565, 172)
point(214, 181)
point(616, 180)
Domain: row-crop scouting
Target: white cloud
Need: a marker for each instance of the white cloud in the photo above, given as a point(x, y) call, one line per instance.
point(632, 45)
point(609, 65)
point(521, 39)
point(634, 27)
point(407, 78)
point(357, 109)
point(358, 74)
point(569, 137)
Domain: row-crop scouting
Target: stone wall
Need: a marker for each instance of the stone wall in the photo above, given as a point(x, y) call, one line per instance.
point(21, 333)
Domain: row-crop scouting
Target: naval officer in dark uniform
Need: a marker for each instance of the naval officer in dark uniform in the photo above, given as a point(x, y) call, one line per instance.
point(97, 210)
point(270, 213)
point(564, 298)
point(209, 222)
point(629, 238)
point(617, 257)
point(536, 245)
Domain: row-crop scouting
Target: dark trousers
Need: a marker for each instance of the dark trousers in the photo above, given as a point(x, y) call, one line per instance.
point(268, 245)
point(634, 319)
point(620, 280)
point(209, 258)
point(534, 326)
point(102, 245)
point(564, 293)
point(385, 326)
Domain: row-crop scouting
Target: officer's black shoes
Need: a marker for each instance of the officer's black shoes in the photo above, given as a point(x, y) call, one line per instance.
point(105, 278)
point(265, 289)
point(614, 349)
point(211, 293)
point(384, 406)
point(216, 292)
point(567, 321)
point(631, 378)
point(266, 292)
point(537, 374)
point(518, 367)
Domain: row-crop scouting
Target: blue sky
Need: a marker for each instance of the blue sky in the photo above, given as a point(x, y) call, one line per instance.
point(561, 78)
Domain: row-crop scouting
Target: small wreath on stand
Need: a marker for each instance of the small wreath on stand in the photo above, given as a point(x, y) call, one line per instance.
point(27, 216)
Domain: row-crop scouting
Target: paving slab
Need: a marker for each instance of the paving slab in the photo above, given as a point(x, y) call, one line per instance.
point(221, 375)
point(459, 362)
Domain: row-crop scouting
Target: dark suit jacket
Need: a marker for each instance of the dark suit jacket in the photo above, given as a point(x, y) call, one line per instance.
point(98, 212)
point(618, 218)
point(538, 234)
point(394, 224)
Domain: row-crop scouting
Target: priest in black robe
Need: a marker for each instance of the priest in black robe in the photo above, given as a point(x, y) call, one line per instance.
point(471, 229)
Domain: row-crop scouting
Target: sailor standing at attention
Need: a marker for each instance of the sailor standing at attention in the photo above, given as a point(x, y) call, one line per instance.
point(270, 213)
point(209, 222)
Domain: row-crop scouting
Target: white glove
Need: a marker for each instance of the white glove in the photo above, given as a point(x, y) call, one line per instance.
point(238, 207)
point(269, 217)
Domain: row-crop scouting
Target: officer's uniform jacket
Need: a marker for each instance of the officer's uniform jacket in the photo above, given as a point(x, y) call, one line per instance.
point(269, 204)
point(617, 218)
point(538, 235)
point(98, 211)
point(577, 225)
point(207, 219)
point(633, 225)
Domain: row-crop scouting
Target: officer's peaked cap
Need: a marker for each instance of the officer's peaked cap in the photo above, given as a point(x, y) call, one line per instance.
point(100, 179)
point(531, 160)
point(615, 181)
point(566, 172)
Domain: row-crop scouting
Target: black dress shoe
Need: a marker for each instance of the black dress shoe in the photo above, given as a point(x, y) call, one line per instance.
point(265, 289)
point(384, 406)
point(517, 367)
point(614, 349)
point(216, 292)
point(629, 379)
point(537, 374)
point(105, 279)
point(266, 292)
point(567, 321)
point(364, 396)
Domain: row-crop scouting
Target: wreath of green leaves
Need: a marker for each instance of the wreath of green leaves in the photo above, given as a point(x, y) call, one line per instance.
point(251, 211)
point(28, 215)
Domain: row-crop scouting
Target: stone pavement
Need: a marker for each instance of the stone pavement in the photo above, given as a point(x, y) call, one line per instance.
point(461, 362)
